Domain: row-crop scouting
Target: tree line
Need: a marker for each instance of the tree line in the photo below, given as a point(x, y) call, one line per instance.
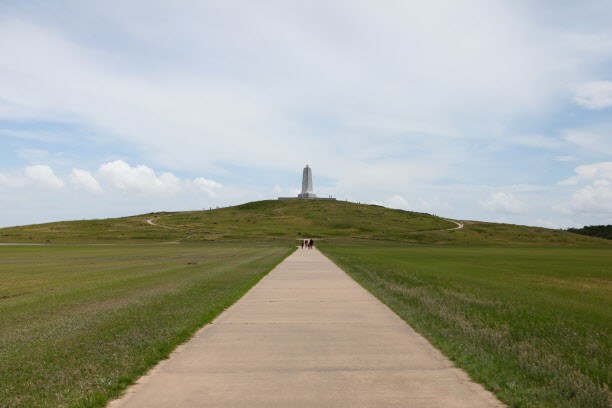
point(601, 231)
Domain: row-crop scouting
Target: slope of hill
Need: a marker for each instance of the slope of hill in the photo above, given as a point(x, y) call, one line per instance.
point(270, 219)
point(290, 220)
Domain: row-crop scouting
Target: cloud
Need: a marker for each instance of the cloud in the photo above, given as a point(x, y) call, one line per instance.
point(32, 176)
point(283, 191)
point(43, 176)
point(505, 203)
point(361, 71)
point(138, 179)
point(594, 95)
point(377, 101)
point(84, 180)
point(594, 195)
point(210, 187)
point(589, 173)
point(142, 179)
point(593, 199)
point(431, 204)
point(11, 180)
point(397, 201)
point(118, 175)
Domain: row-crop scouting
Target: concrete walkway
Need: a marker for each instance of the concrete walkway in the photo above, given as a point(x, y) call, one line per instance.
point(307, 336)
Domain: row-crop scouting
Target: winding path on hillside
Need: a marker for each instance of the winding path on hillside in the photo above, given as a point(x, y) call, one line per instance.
point(307, 335)
point(458, 227)
point(151, 221)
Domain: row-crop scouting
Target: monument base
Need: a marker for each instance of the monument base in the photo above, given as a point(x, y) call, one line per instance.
point(307, 198)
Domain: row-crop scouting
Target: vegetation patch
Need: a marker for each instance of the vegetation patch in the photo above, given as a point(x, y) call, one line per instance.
point(601, 231)
point(80, 323)
point(532, 324)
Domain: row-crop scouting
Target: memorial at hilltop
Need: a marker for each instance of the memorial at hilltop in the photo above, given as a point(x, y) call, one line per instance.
point(307, 189)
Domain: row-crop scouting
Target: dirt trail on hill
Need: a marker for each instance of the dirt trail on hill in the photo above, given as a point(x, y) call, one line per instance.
point(151, 222)
point(458, 227)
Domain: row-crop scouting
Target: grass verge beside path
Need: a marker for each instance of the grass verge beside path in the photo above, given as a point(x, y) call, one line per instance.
point(79, 324)
point(534, 325)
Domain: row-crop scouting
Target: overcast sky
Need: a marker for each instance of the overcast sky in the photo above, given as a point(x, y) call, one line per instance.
point(488, 110)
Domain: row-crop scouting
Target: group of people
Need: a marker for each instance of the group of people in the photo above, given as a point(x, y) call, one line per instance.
point(307, 243)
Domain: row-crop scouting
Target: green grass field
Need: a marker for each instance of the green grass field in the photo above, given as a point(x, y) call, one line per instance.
point(533, 324)
point(78, 324)
point(525, 310)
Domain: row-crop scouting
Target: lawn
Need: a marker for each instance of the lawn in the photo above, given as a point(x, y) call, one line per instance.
point(534, 325)
point(79, 323)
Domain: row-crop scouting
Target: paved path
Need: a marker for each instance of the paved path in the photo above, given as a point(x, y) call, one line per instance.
point(307, 336)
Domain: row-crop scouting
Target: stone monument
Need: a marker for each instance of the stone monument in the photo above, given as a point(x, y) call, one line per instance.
point(307, 184)
point(307, 191)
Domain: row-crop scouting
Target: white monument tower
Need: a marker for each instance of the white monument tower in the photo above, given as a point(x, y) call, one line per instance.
point(307, 193)
point(307, 184)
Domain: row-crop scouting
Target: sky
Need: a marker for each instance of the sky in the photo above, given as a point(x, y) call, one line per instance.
point(485, 110)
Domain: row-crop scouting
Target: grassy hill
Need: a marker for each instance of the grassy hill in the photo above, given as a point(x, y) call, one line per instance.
point(290, 220)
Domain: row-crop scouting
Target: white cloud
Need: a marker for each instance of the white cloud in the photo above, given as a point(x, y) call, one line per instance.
point(210, 187)
point(143, 179)
point(505, 203)
point(431, 204)
point(43, 176)
point(594, 199)
point(11, 180)
point(589, 173)
point(279, 191)
point(594, 95)
point(32, 176)
point(594, 195)
point(397, 201)
point(139, 179)
point(84, 180)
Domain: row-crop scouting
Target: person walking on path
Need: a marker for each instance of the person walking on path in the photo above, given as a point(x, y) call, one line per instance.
point(310, 244)
point(302, 244)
